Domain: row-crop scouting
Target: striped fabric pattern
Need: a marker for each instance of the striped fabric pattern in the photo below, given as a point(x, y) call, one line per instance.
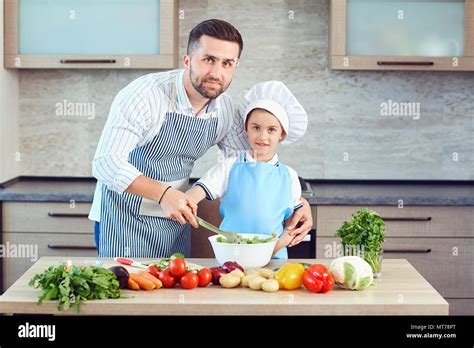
point(136, 117)
point(168, 157)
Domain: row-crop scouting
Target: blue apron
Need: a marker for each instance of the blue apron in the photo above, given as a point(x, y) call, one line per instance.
point(168, 157)
point(258, 199)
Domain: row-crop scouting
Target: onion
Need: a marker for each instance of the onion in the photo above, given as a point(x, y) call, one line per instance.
point(217, 273)
point(229, 266)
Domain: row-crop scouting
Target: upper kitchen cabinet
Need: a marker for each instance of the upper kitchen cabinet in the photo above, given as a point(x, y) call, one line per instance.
point(106, 34)
point(402, 35)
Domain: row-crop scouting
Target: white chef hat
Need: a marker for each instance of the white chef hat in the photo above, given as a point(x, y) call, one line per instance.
point(276, 98)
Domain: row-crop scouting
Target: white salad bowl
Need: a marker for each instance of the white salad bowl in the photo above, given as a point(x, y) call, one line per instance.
point(247, 255)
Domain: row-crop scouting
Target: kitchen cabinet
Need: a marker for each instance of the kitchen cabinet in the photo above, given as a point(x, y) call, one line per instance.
point(409, 221)
point(43, 244)
point(437, 240)
point(400, 278)
point(461, 306)
point(47, 217)
point(110, 34)
point(402, 35)
point(35, 229)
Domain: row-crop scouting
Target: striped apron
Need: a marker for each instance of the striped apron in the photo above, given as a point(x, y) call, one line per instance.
point(132, 226)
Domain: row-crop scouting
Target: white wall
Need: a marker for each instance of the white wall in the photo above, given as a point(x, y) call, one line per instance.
point(9, 144)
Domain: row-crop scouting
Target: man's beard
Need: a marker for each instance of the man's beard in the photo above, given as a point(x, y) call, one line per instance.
point(202, 90)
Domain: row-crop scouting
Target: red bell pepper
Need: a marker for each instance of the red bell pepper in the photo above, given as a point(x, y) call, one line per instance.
point(317, 278)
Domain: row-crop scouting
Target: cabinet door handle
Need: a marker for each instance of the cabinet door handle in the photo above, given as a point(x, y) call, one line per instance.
point(68, 215)
point(88, 61)
point(82, 247)
point(408, 251)
point(406, 218)
point(384, 62)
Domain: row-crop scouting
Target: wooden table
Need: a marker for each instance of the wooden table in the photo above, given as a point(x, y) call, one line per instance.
point(401, 291)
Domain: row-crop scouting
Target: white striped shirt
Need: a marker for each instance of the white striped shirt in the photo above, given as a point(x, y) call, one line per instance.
point(135, 118)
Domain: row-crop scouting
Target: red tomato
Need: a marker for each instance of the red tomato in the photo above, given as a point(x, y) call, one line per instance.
point(167, 279)
point(189, 281)
point(153, 270)
point(178, 268)
point(205, 277)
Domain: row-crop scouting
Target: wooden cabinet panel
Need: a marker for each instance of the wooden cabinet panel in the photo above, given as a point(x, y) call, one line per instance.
point(31, 246)
point(446, 263)
point(410, 221)
point(401, 35)
point(46, 217)
point(91, 34)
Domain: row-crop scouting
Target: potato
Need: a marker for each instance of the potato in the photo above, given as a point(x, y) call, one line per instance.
point(255, 283)
point(237, 272)
point(270, 285)
point(229, 281)
point(246, 279)
point(265, 273)
point(252, 271)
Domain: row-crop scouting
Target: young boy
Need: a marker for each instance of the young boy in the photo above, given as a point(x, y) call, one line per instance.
point(258, 193)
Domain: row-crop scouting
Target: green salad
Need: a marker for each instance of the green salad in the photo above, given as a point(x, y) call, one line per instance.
point(243, 240)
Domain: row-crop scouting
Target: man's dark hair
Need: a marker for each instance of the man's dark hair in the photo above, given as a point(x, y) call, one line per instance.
point(217, 29)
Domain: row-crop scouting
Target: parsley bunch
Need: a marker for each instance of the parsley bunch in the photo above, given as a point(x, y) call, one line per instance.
point(73, 285)
point(366, 229)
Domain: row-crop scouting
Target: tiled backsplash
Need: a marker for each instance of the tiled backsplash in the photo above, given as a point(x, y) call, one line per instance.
point(62, 112)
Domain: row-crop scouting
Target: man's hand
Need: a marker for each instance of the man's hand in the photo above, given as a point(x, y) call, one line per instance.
point(300, 223)
point(177, 206)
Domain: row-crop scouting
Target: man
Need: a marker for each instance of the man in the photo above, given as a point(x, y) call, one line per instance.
point(157, 127)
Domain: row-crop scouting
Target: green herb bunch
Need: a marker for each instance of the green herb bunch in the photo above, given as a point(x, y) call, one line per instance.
point(366, 229)
point(73, 285)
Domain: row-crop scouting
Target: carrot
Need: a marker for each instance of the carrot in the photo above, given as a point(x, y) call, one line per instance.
point(144, 283)
point(152, 279)
point(132, 285)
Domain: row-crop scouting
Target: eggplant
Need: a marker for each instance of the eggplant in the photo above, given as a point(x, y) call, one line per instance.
point(229, 266)
point(217, 273)
point(121, 274)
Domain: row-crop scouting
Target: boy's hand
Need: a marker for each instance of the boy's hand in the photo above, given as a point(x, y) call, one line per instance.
point(284, 240)
point(196, 194)
point(300, 223)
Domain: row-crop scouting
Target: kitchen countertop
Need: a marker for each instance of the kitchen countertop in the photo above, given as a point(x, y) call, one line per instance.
point(325, 192)
point(400, 291)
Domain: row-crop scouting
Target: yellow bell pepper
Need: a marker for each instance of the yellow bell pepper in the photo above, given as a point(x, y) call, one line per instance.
point(290, 276)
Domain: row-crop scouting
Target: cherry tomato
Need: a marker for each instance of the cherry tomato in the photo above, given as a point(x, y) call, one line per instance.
point(178, 268)
point(167, 279)
point(153, 270)
point(189, 281)
point(205, 277)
